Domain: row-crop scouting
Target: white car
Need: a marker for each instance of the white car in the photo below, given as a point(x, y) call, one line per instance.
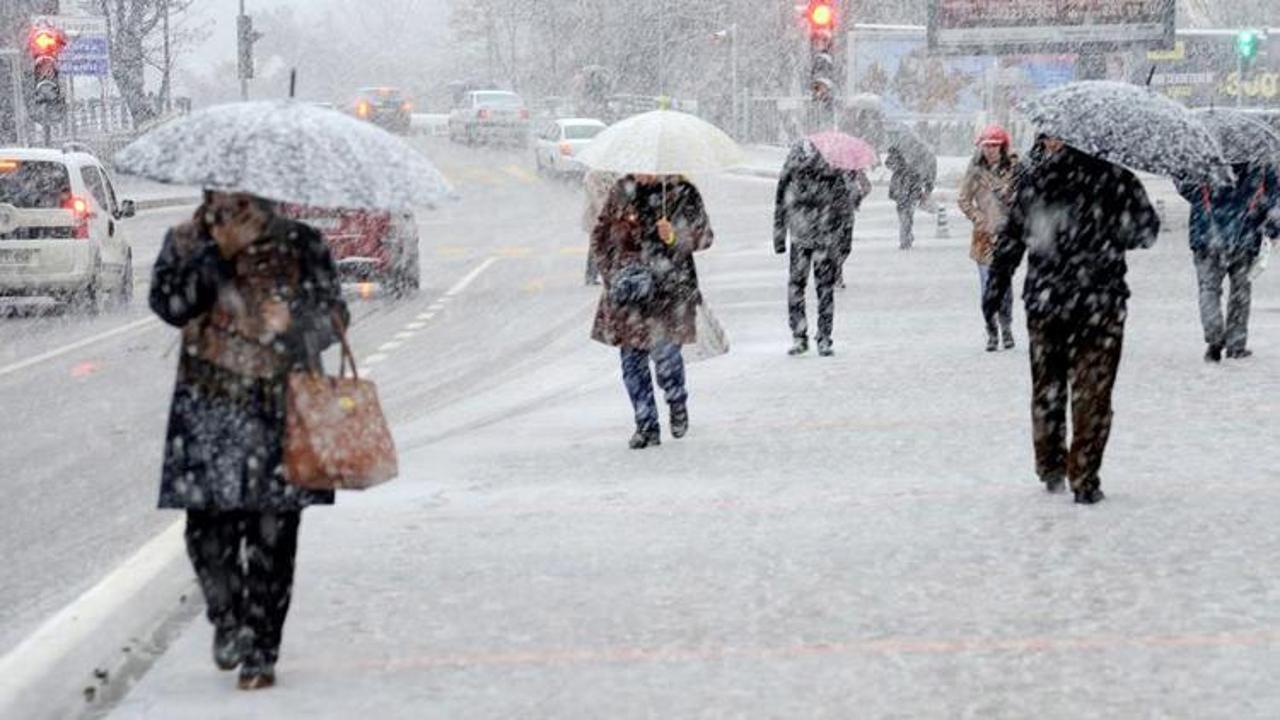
point(58, 229)
point(557, 144)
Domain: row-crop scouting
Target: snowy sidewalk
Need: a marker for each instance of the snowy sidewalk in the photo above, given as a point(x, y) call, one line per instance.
point(854, 537)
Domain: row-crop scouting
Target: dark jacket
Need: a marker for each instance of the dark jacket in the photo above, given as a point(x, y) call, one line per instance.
point(224, 445)
point(1075, 217)
point(1234, 219)
point(626, 233)
point(815, 202)
point(910, 181)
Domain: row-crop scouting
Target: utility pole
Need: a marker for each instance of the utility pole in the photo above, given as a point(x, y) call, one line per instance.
point(244, 78)
point(737, 100)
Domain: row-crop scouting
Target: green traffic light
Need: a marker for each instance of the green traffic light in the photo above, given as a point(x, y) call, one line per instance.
point(1247, 43)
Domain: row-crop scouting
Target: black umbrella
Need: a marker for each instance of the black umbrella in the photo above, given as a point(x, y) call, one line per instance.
point(915, 152)
point(1242, 138)
point(1129, 125)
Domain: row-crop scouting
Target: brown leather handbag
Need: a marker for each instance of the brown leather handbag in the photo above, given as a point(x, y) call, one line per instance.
point(336, 437)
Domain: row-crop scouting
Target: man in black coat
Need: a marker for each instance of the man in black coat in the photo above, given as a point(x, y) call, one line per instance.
point(815, 203)
point(1075, 217)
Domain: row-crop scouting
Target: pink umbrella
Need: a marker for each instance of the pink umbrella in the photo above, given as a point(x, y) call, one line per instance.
point(844, 152)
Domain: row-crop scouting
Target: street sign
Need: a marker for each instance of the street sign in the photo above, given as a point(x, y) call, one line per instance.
point(1001, 27)
point(88, 51)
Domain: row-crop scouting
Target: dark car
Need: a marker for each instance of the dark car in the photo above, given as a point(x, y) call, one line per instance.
point(386, 107)
point(368, 246)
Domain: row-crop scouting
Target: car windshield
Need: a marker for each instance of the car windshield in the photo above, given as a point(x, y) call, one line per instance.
point(499, 100)
point(581, 132)
point(33, 185)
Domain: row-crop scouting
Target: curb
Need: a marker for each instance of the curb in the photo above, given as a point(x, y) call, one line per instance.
point(87, 656)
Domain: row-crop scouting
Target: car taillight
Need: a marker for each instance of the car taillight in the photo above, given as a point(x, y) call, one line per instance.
point(82, 211)
point(524, 113)
point(407, 107)
point(482, 114)
point(362, 109)
point(566, 149)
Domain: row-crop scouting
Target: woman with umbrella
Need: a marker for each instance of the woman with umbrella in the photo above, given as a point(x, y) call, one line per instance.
point(985, 195)
point(643, 242)
point(256, 296)
point(1228, 225)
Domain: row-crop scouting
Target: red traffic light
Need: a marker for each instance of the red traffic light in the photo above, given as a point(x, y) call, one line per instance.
point(46, 41)
point(822, 16)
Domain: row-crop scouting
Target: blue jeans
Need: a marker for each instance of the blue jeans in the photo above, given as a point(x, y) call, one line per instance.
point(635, 375)
point(1006, 305)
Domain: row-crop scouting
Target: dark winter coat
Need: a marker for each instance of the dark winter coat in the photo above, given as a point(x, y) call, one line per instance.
point(815, 202)
point(1075, 217)
point(223, 449)
point(910, 182)
point(1234, 219)
point(626, 233)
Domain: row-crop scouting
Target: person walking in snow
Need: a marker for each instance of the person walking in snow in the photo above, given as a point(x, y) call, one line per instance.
point(644, 241)
point(814, 206)
point(1228, 225)
point(255, 296)
point(1074, 217)
point(985, 195)
point(910, 185)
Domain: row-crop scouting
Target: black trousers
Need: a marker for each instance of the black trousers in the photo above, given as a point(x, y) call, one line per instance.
point(1074, 364)
point(825, 266)
point(245, 561)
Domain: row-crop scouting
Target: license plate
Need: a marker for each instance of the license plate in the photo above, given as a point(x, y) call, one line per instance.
point(17, 257)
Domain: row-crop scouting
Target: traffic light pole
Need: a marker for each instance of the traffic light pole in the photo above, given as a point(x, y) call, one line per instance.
point(12, 60)
point(244, 81)
point(1240, 80)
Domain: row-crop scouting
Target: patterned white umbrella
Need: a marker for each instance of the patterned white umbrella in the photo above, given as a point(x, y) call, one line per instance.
point(662, 142)
point(1129, 125)
point(289, 152)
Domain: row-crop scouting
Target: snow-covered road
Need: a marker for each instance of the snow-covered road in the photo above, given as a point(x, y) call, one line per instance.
point(854, 537)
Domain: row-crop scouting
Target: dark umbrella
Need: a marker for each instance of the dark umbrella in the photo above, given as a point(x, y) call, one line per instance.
point(1242, 138)
point(1129, 125)
point(915, 152)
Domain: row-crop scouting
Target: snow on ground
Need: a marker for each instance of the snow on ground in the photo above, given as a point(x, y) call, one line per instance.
point(854, 537)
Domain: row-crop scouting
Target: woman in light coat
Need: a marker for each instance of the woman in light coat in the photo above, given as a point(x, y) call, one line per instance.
point(985, 195)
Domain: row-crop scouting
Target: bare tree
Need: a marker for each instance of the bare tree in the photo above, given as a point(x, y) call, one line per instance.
point(131, 25)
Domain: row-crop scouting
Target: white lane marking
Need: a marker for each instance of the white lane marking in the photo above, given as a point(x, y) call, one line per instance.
point(404, 335)
point(61, 634)
point(437, 307)
point(387, 347)
point(122, 330)
point(465, 282)
point(415, 326)
point(426, 315)
point(374, 359)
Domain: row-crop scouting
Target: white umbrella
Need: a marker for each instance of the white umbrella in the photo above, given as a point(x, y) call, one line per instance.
point(289, 152)
point(662, 142)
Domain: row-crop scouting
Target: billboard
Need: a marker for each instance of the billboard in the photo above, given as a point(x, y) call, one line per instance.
point(1200, 70)
point(1017, 27)
point(911, 81)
